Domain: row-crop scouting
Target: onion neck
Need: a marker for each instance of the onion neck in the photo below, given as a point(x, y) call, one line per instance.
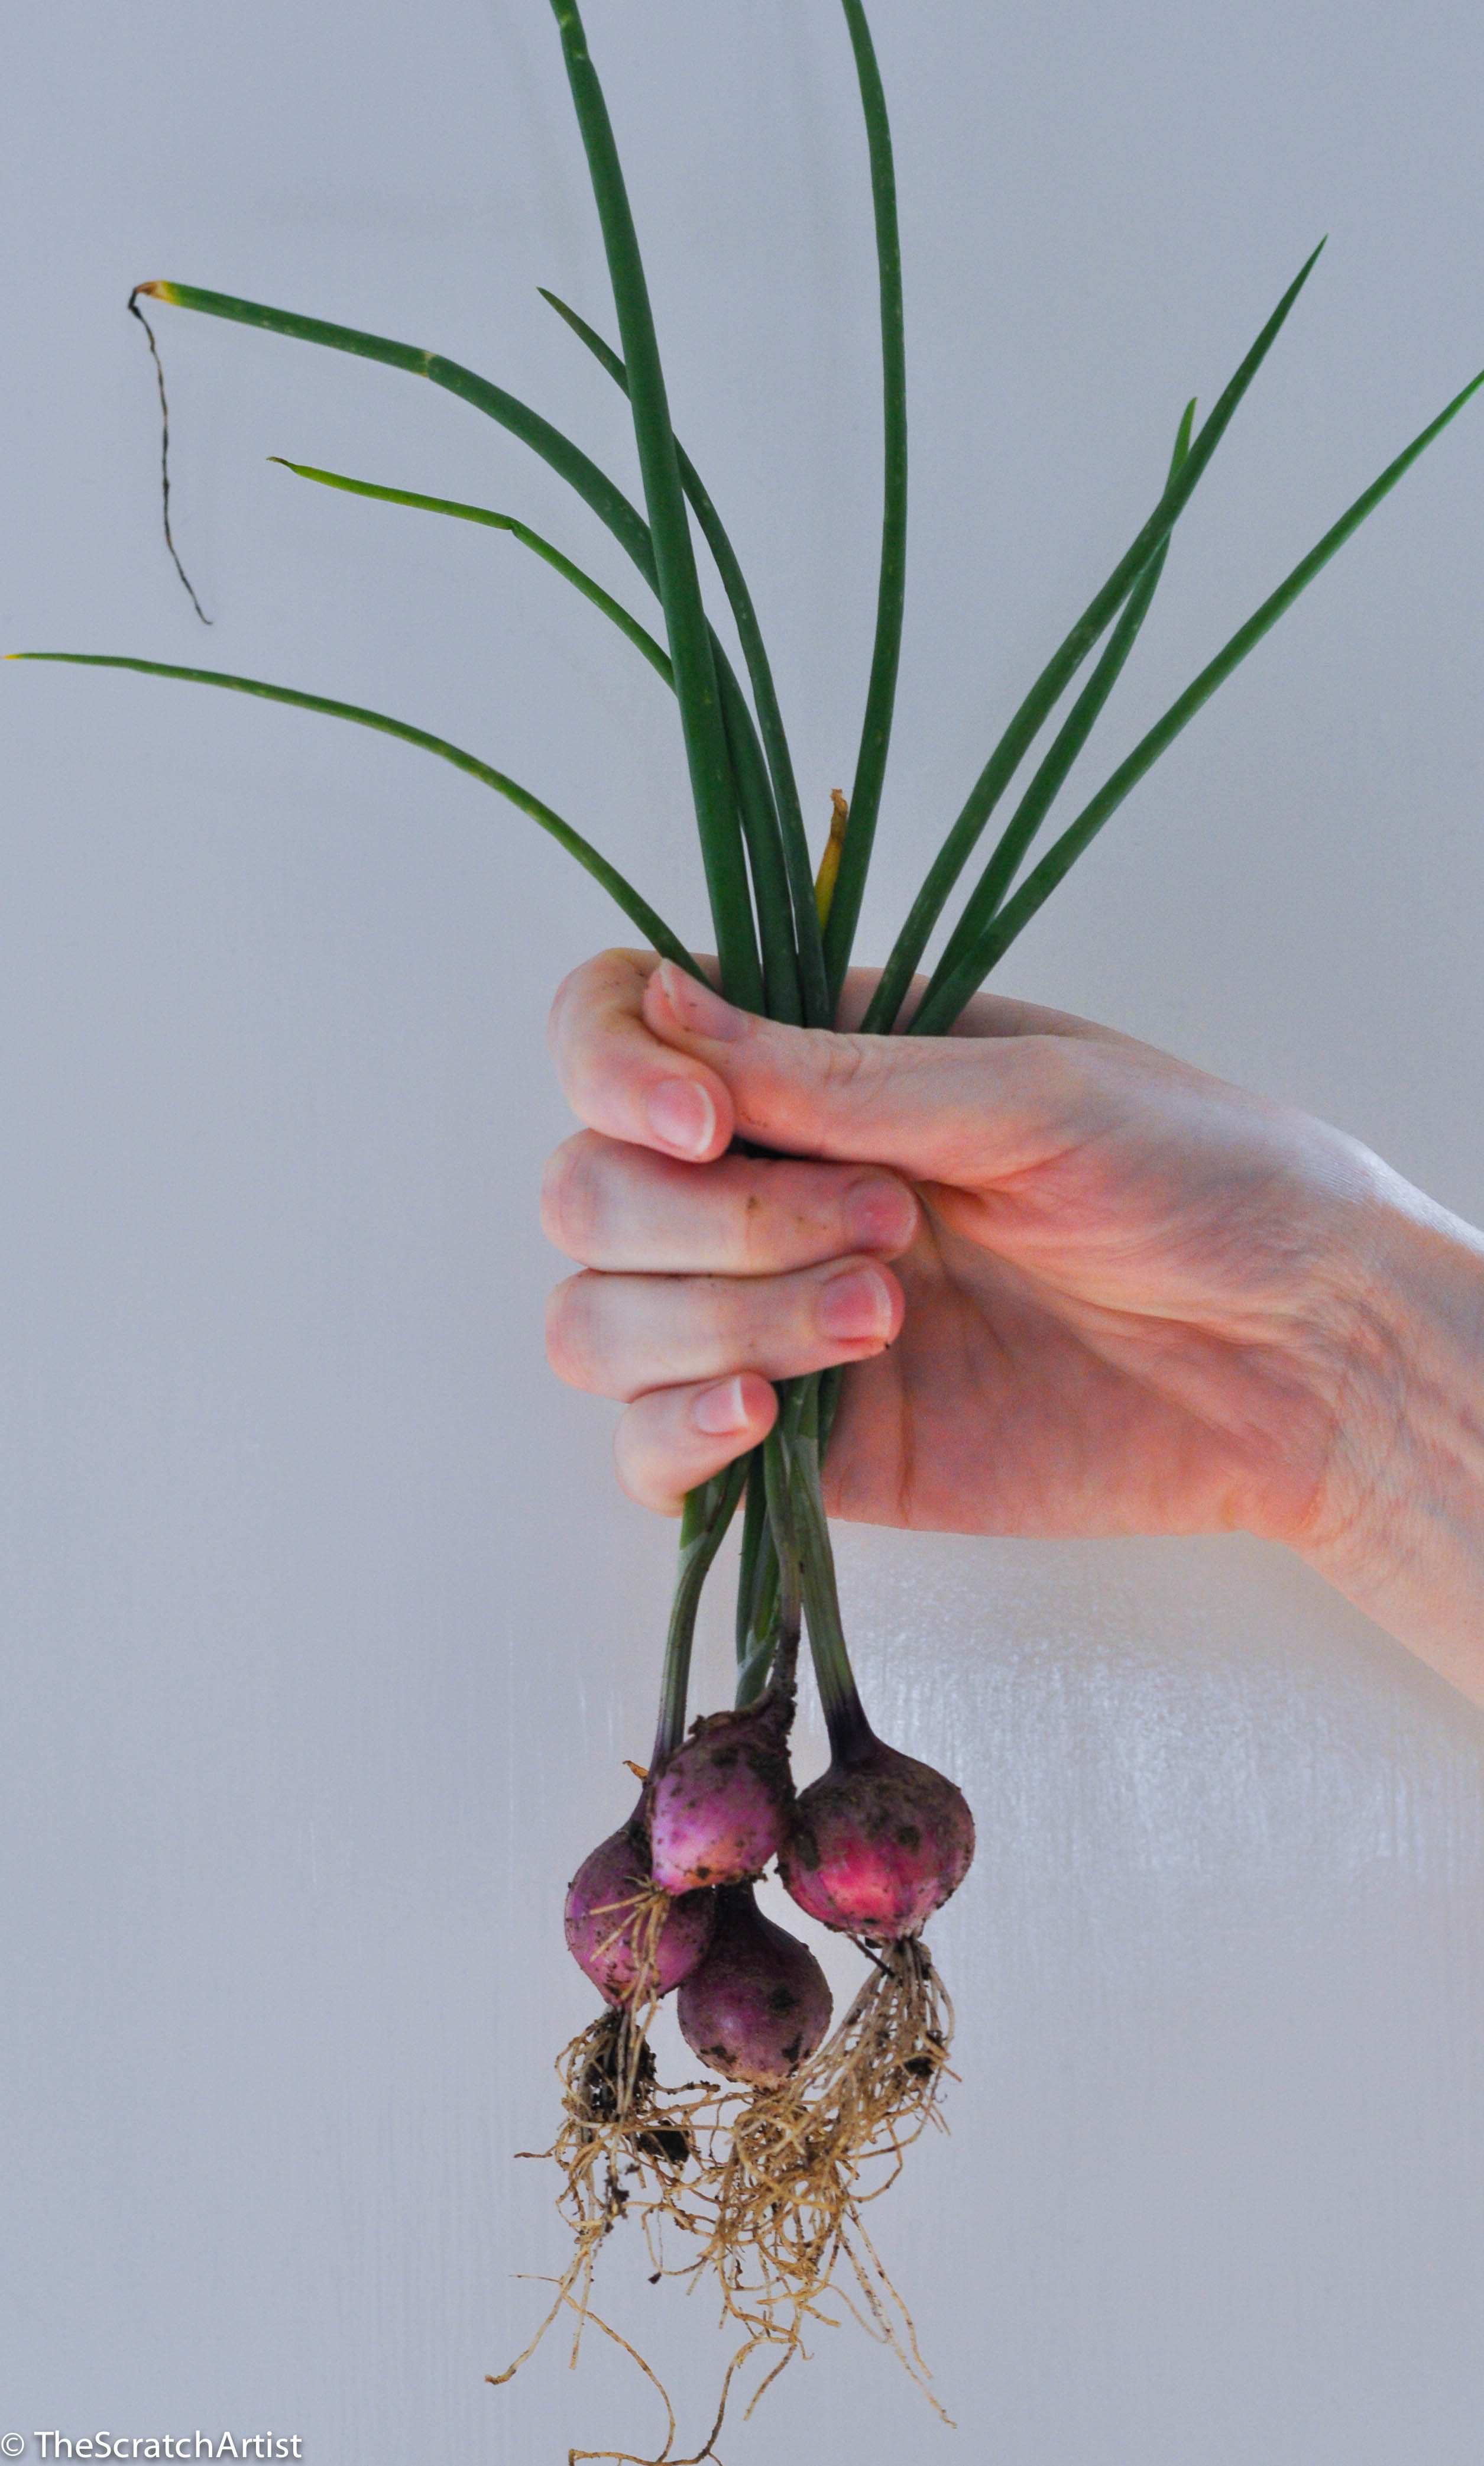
point(850, 1735)
point(703, 1521)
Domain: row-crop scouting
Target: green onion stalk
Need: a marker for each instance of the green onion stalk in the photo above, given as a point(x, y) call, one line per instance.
point(784, 931)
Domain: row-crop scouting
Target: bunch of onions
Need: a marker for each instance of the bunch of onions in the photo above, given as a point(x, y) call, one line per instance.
point(875, 1845)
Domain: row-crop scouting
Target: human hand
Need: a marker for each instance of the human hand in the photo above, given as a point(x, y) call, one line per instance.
point(1123, 1296)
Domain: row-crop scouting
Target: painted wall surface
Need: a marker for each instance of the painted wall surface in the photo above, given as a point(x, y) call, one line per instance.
point(325, 1625)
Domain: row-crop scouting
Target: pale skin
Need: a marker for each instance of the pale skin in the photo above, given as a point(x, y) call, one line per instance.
point(1081, 1288)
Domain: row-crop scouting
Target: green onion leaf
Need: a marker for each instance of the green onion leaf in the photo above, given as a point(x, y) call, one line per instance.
point(638, 909)
point(657, 658)
point(770, 725)
point(1056, 675)
point(759, 816)
point(592, 484)
point(781, 979)
point(1070, 739)
point(594, 487)
point(886, 653)
point(704, 1519)
point(951, 996)
point(675, 558)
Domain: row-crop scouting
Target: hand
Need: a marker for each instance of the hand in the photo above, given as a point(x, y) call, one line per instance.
point(1119, 1302)
point(1124, 1297)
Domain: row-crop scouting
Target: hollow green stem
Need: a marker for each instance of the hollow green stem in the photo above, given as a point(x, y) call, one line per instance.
point(779, 973)
point(777, 1470)
point(674, 561)
point(770, 1603)
point(1068, 743)
point(760, 675)
point(754, 1534)
point(568, 460)
point(849, 1731)
point(1058, 672)
point(651, 925)
point(755, 1665)
point(704, 1522)
point(782, 997)
point(611, 608)
point(935, 1017)
point(891, 589)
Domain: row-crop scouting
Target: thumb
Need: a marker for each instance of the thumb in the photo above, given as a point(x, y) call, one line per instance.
point(944, 1108)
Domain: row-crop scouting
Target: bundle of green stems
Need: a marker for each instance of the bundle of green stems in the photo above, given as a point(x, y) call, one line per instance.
point(782, 946)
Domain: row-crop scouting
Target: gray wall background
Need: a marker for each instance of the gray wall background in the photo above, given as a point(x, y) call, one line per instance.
point(325, 1625)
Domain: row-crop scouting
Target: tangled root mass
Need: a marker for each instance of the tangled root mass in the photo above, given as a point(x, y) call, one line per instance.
point(763, 2189)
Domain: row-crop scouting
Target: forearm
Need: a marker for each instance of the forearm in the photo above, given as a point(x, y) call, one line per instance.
point(1400, 1528)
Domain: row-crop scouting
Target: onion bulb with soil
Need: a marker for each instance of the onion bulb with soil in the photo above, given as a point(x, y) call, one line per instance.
point(758, 2005)
point(723, 1805)
point(879, 1843)
point(633, 1939)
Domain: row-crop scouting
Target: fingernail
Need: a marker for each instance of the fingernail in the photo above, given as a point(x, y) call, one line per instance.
point(880, 1215)
point(682, 1116)
point(854, 1304)
point(697, 1007)
point(719, 1411)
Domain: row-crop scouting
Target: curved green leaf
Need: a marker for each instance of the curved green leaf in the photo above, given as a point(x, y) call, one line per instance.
point(1093, 621)
point(770, 725)
point(779, 977)
point(1068, 743)
point(886, 654)
point(951, 996)
point(611, 608)
point(634, 906)
point(696, 689)
point(568, 460)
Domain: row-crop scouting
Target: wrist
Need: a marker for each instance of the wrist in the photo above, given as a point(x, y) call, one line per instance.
point(1397, 1522)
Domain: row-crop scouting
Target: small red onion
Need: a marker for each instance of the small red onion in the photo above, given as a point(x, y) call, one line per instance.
point(879, 1843)
point(721, 1806)
point(609, 1906)
point(758, 2005)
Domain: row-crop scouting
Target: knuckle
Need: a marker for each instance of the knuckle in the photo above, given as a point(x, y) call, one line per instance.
point(569, 1195)
point(613, 976)
point(571, 1348)
point(842, 1059)
point(640, 1466)
point(757, 1321)
point(1057, 1078)
point(563, 998)
point(753, 1230)
point(737, 1313)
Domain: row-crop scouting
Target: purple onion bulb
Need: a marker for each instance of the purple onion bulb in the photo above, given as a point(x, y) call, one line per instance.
point(721, 1806)
point(879, 1843)
point(758, 2005)
point(610, 1903)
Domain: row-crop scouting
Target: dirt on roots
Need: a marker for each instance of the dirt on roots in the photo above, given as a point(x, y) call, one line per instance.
point(760, 2191)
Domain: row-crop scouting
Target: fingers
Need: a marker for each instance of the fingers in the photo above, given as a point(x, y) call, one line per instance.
point(937, 1109)
point(619, 1078)
point(673, 1440)
point(622, 1336)
point(650, 1057)
point(608, 1204)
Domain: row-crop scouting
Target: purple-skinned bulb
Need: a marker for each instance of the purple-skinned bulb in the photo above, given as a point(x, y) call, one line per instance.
point(723, 1805)
point(629, 1937)
point(879, 1843)
point(757, 2006)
